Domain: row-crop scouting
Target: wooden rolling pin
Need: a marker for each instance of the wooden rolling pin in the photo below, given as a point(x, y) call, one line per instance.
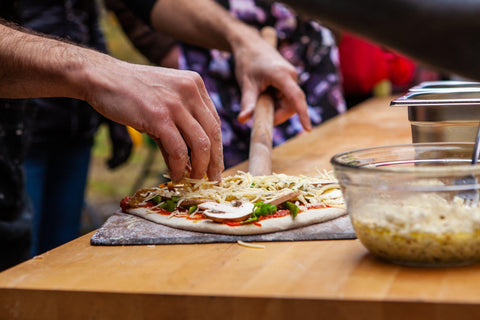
point(260, 154)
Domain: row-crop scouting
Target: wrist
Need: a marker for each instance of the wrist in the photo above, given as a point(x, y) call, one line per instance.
point(241, 36)
point(73, 69)
point(89, 72)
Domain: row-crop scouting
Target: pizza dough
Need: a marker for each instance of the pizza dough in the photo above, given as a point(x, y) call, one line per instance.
point(321, 194)
point(303, 219)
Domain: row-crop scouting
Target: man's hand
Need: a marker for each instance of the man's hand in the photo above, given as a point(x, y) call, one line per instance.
point(172, 106)
point(258, 66)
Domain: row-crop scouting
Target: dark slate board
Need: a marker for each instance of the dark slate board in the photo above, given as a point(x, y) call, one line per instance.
point(124, 229)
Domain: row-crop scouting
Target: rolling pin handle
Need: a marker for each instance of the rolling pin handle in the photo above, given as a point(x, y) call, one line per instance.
point(260, 158)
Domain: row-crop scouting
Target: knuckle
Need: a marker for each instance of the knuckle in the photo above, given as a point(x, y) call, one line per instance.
point(299, 95)
point(191, 80)
point(296, 94)
point(196, 77)
point(216, 133)
point(187, 84)
point(293, 71)
point(289, 68)
point(215, 128)
point(160, 114)
point(203, 144)
point(179, 154)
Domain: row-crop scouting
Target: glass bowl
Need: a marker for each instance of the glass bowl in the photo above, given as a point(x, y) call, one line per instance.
point(408, 205)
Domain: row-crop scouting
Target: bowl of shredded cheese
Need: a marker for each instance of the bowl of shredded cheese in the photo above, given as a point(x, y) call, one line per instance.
point(408, 203)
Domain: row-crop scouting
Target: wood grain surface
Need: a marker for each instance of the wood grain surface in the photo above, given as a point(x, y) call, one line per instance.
point(334, 279)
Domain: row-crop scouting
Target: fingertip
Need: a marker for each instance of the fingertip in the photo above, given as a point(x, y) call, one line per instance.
point(247, 112)
point(215, 170)
point(175, 177)
point(307, 125)
point(244, 116)
point(216, 177)
point(249, 101)
point(302, 110)
point(178, 171)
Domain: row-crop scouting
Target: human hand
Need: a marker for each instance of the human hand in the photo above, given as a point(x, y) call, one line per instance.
point(258, 66)
point(170, 60)
point(171, 106)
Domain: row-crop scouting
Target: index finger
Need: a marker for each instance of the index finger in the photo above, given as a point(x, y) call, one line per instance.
point(295, 96)
point(213, 131)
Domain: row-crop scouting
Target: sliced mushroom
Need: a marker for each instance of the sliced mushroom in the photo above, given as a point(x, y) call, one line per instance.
point(220, 212)
point(191, 202)
point(284, 197)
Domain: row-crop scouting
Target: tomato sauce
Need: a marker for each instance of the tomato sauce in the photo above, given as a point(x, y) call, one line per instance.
point(233, 224)
point(278, 214)
point(197, 216)
point(159, 210)
point(319, 206)
point(125, 203)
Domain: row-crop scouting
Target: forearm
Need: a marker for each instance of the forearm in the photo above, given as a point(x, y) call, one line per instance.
point(171, 106)
point(441, 33)
point(203, 23)
point(33, 66)
point(257, 64)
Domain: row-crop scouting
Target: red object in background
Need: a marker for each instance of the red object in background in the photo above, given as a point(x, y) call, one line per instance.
point(363, 65)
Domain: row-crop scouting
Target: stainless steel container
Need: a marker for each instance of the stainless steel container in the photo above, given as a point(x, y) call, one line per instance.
point(447, 111)
point(442, 85)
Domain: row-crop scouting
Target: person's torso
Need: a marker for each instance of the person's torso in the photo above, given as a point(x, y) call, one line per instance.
point(62, 120)
point(307, 45)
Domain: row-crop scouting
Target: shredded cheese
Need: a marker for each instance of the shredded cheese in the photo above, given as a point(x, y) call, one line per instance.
point(321, 189)
point(250, 245)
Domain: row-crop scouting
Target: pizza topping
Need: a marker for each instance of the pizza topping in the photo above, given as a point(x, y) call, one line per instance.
point(169, 204)
point(219, 212)
point(293, 208)
point(285, 197)
point(322, 182)
point(190, 202)
point(261, 209)
point(192, 210)
point(250, 245)
point(225, 201)
point(244, 186)
point(125, 204)
point(141, 197)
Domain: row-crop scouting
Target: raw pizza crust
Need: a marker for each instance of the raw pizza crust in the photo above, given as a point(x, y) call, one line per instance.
point(303, 219)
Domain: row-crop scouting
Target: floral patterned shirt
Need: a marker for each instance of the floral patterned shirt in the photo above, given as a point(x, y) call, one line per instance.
point(306, 44)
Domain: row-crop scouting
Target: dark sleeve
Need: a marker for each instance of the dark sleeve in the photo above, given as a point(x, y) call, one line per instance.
point(9, 11)
point(153, 45)
point(142, 8)
point(13, 141)
point(97, 40)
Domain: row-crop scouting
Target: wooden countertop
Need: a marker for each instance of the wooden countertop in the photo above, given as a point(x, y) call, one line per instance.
point(335, 279)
